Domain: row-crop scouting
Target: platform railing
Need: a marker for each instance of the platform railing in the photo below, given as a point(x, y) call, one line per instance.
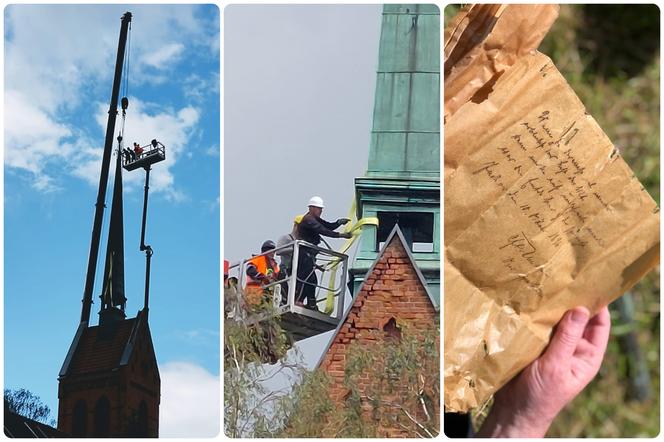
point(149, 150)
point(331, 272)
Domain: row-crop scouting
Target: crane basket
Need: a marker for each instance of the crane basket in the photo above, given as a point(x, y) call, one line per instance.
point(149, 154)
point(279, 296)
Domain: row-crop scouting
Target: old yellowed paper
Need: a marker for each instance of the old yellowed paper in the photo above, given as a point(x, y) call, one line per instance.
point(484, 40)
point(541, 214)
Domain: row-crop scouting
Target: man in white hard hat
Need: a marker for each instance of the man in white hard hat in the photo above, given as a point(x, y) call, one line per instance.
point(310, 229)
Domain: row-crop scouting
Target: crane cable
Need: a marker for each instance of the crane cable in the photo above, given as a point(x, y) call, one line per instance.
point(125, 65)
point(125, 89)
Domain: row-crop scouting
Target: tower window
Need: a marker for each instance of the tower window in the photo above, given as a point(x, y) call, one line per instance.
point(417, 229)
point(79, 426)
point(392, 330)
point(102, 417)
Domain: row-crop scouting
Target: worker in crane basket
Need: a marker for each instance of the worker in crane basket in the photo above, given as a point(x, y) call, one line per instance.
point(138, 150)
point(310, 229)
point(227, 266)
point(261, 270)
point(129, 155)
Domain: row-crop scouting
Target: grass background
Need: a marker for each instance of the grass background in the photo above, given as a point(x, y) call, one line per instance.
point(610, 56)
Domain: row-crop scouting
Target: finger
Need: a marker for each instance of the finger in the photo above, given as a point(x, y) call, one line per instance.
point(585, 350)
point(567, 335)
point(598, 329)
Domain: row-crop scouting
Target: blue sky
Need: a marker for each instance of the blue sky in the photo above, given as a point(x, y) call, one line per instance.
point(58, 73)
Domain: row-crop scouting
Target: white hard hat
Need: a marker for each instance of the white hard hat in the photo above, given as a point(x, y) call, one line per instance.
point(316, 201)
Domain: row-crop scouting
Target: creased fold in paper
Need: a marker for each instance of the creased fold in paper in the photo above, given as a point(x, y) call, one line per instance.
point(484, 40)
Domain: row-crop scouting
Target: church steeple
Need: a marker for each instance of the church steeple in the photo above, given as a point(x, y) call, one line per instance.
point(405, 138)
point(402, 183)
point(113, 298)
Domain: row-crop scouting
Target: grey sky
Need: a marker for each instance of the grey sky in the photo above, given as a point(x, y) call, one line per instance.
point(299, 86)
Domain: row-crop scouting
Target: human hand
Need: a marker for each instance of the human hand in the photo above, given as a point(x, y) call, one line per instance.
point(343, 221)
point(527, 405)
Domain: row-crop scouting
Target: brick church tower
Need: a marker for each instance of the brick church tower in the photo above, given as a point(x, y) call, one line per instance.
point(109, 383)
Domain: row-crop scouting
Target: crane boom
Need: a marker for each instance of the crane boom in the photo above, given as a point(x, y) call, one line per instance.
point(103, 178)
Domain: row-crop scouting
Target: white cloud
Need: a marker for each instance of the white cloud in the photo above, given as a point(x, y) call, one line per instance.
point(50, 54)
point(213, 151)
point(32, 138)
point(198, 88)
point(190, 401)
point(88, 163)
point(199, 336)
point(52, 68)
point(161, 58)
point(143, 123)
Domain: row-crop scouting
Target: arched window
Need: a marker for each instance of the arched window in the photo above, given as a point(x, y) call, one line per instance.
point(102, 417)
point(79, 426)
point(143, 419)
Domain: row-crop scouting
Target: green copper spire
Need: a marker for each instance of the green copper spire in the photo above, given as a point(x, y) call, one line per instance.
point(402, 183)
point(405, 140)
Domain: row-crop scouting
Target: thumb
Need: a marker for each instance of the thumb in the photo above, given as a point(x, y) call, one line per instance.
point(568, 334)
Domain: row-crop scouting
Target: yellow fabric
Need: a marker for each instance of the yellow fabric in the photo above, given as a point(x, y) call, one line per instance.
point(354, 227)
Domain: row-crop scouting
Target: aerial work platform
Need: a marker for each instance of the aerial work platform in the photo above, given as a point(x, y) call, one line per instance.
point(278, 298)
point(152, 153)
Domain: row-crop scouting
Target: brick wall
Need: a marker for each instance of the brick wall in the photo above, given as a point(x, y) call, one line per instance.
point(124, 387)
point(391, 290)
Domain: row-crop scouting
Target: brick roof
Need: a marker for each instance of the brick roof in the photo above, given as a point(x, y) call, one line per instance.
point(393, 287)
point(102, 346)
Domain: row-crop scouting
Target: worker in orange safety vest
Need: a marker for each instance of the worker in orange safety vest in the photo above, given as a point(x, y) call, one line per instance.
point(261, 270)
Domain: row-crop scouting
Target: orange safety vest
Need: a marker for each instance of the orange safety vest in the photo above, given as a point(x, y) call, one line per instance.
point(263, 265)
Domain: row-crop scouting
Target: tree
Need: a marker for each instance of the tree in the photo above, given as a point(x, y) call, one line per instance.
point(23, 402)
point(254, 355)
point(393, 389)
point(392, 384)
